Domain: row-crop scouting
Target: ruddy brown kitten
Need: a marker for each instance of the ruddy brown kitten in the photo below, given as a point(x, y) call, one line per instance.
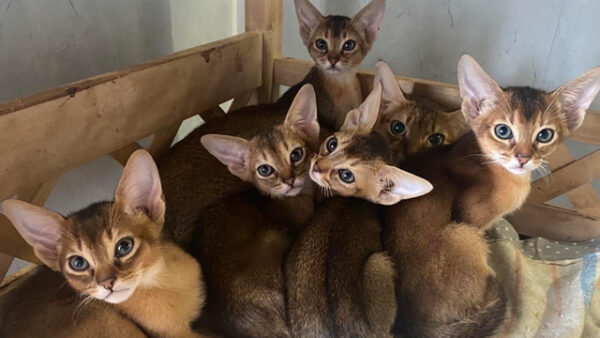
point(242, 240)
point(445, 285)
point(338, 45)
point(413, 125)
point(339, 282)
point(113, 252)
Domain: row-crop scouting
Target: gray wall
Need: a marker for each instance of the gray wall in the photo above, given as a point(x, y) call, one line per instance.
point(44, 44)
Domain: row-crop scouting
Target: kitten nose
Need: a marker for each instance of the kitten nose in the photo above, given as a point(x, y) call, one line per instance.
point(316, 168)
point(289, 181)
point(108, 283)
point(334, 60)
point(522, 158)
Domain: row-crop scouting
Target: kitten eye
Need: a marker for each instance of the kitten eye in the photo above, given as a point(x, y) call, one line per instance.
point(296, 155)
point(503, 131)
point(265, 170)
point(436, 139)
point(321, 44)
point(346, 175)
point(78, 263)
point(545, 135)
point(331, 144)
point(124, 246)
point(398, 128)
point(349, 45)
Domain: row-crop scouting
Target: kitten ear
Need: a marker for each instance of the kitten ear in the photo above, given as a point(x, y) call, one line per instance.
point(40, 227)
point(302, 115)
point(391, 92)
point(576, 96)
point(369, 19)
point(362, 119)
point(478, 91)
point(139, 188)
point(234, 152)
point(400, 185)
point(308, 18)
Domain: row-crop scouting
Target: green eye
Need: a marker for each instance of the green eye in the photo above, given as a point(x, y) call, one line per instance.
point(321, 44)
point(123, 247)
point(349, 45)
point(398, 128)
point(78, 263)
point(296, 155)
point(436, 139)
point(265, 170)
point(503, 131)
point(346, 175)
point(545, 135)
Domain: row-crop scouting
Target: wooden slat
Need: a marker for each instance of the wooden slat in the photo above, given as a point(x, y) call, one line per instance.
point(554, 223)
point(266, 16)
point(13, 244)
point(162, 139)
point(241, 101)
point(288, 71)
point(589, 132)
point(119, 108)
point(5, 262)
point(566, 179)
point(122, 155)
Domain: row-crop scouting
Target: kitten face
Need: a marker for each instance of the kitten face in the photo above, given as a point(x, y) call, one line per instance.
point(109, 249)
point(518, 127)
point(355, 161)
point(338, 44)
point(275, 160)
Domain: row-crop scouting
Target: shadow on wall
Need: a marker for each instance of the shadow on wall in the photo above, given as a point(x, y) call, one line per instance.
point(49, 43)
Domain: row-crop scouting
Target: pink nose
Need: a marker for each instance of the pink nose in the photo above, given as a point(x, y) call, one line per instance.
point(108, 283)
point(289, 181)
point(523, 159)
point(334, 61)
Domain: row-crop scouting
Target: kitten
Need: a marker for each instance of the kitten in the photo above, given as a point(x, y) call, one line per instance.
point(242, 239)
point(445, 286)
point(339, 282)
point(113, 252)
point(338, 45)
point(413, 125)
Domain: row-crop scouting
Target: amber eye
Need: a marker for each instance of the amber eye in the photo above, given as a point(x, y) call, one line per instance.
point(346, 175)
point(545, 135)
point(321, 44)
point(331, 144)
point(78, 263)
point(265, 170)
point(398, 128)
point(349, 45)
point(503, 131)
point(296, 155)
point(123, 247)
point(436, 139)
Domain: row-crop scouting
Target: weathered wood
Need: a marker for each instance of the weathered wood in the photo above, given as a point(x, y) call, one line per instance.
point(565, 179)
point(554, 223)
point(13, 244)
point(162, 139)
point(589, 132)
point(241, 101)
point(289, 71)
point(105, 113)
point(5, 262)
point(266, 16)
point(122, 155)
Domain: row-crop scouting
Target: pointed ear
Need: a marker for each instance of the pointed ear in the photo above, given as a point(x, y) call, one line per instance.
point(308, 17)
point(576, 96)
point(139, 188)
point(400, 185)
point(478, 91)
point(40, 227)
point(369, 19)
point(391, 92)
point(362, 119)
point(234, 152)
point(302, 115)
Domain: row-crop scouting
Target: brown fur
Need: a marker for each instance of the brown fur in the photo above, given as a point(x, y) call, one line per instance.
point(40, 304)
point(154, 283)
point(436, 241)
point(334, 75)
point(192, 178)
